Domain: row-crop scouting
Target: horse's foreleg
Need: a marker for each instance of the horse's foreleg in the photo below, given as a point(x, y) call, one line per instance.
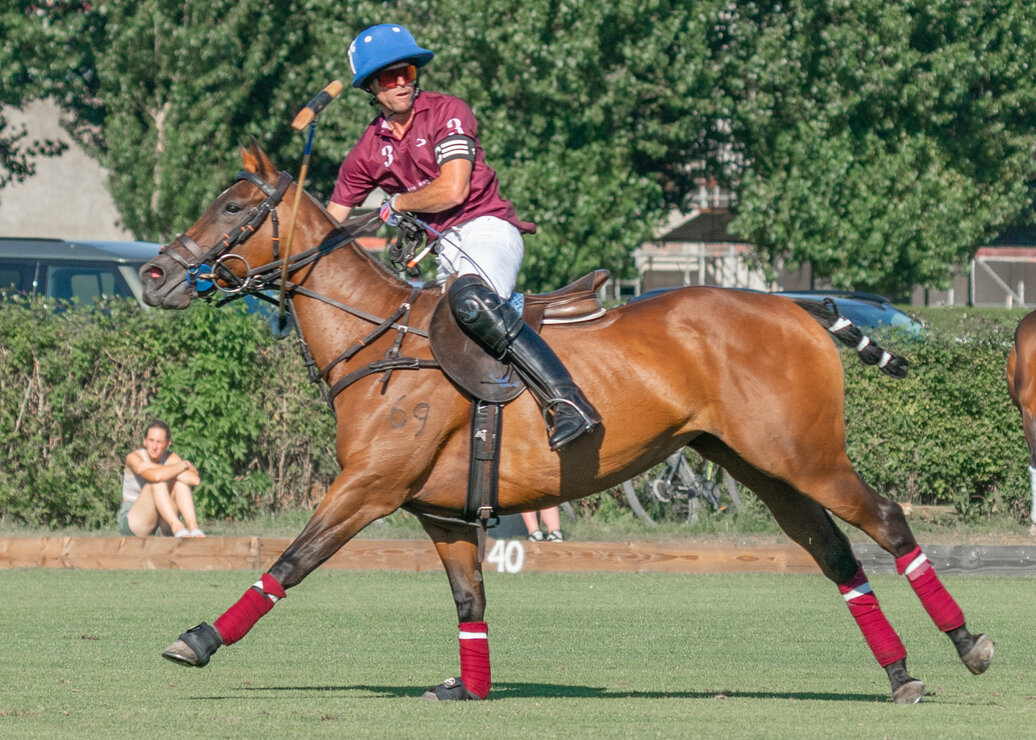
point(1029, 427)
point(457, 545)
point(339, 517)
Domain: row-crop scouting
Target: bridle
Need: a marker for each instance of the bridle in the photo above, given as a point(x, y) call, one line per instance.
point(198, 266)
point(265, 277)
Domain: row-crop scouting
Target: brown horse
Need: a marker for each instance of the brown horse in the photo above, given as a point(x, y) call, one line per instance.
point(749, 380)
point(1021, 384)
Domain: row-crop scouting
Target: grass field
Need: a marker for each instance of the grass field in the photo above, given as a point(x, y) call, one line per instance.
point(575, 656)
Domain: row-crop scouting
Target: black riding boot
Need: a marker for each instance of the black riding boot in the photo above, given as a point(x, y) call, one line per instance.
point(496, 326)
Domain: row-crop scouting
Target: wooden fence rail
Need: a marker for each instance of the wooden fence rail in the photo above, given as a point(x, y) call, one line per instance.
point(511, 556)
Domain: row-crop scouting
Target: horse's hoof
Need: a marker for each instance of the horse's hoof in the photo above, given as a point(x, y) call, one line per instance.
point(180, 652)
point(195, 646)
point(978, 657)
point(452, 689)
point(909, 693)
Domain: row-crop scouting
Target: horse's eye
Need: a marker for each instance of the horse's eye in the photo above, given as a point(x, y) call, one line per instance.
point(233, 208)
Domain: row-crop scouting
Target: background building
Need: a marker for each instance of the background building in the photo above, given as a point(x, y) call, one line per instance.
point(68, 197)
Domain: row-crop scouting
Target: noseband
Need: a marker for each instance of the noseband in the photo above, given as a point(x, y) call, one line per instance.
point(252, 221)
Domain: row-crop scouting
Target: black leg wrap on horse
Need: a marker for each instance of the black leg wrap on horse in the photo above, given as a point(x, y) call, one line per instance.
point(452, 689)
point(204, 640)
point(496, 326)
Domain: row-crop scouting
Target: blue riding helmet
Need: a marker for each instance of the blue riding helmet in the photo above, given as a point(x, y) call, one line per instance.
point(382, 45)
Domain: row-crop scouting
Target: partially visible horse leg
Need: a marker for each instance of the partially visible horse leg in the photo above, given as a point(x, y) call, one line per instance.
point(845, 494)
point(457, 545)
point(1021, 385)
point(808, 524)
point(1029, 426)
point(1024, 397)
point(341, 514)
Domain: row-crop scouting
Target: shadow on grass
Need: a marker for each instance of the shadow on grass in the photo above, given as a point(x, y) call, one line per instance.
point(506, 690)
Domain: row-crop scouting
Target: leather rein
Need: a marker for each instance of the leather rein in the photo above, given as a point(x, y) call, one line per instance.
point(268, 277)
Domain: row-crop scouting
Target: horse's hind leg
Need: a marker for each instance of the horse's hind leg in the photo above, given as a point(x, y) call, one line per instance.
point(808, 524)
point(457, 545)
point(842, 492)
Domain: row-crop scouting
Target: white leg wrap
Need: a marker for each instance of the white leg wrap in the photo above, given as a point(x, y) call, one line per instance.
point(1032, 479)
point(259, 585)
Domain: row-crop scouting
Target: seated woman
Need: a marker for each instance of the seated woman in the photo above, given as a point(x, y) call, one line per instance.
point(157, 489)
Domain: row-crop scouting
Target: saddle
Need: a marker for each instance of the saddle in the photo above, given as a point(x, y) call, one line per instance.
point(483, 376)
point(492, 383)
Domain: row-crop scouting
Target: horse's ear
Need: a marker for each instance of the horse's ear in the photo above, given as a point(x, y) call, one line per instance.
point(255, 159)
point(249, 159)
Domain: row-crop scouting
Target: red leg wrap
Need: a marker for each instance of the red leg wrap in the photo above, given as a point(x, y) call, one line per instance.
point(864, 608)
point(934, 597)
point(474, 657)
point(272, 587)
point(242, 616)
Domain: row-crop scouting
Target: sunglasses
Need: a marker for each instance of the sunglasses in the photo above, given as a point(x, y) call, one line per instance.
point(389, 78)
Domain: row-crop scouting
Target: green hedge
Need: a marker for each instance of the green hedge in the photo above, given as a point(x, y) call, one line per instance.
point(947, 433)
point(77, 387)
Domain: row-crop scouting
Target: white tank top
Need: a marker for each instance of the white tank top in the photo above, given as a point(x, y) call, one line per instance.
point(131, 482)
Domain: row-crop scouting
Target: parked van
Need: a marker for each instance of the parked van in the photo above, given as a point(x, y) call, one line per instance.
point(82, 270)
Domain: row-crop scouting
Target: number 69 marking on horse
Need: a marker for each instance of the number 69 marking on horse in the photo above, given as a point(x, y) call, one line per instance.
point(398, 417)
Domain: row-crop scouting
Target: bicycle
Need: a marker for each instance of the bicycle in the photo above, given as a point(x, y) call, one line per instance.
point(677, 488)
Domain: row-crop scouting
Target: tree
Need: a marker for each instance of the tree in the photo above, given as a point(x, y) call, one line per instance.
point(162, 92)
point(588, 112)
point(881, 142)
point(17, 54)
point(596, 115)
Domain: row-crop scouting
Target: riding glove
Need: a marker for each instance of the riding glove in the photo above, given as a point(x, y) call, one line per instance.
point(388, 212)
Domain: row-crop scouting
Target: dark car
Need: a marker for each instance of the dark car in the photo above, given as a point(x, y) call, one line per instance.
point(866, 310)
point(67, 270)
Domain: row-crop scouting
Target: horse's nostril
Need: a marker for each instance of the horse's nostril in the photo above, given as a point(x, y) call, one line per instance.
point(154, 273)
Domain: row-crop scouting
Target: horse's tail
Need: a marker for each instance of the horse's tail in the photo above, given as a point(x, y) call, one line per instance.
point(826, 313)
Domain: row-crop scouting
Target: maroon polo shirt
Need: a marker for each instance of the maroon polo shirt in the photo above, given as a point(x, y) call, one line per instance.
point(443, 128)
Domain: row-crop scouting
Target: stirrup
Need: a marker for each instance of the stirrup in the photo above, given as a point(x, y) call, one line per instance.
point(570, 427)
point(548, 406)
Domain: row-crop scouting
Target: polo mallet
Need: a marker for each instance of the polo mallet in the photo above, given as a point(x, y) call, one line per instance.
point(306, 116)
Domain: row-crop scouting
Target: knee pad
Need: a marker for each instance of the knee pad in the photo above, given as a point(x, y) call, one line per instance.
point(483, 314)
